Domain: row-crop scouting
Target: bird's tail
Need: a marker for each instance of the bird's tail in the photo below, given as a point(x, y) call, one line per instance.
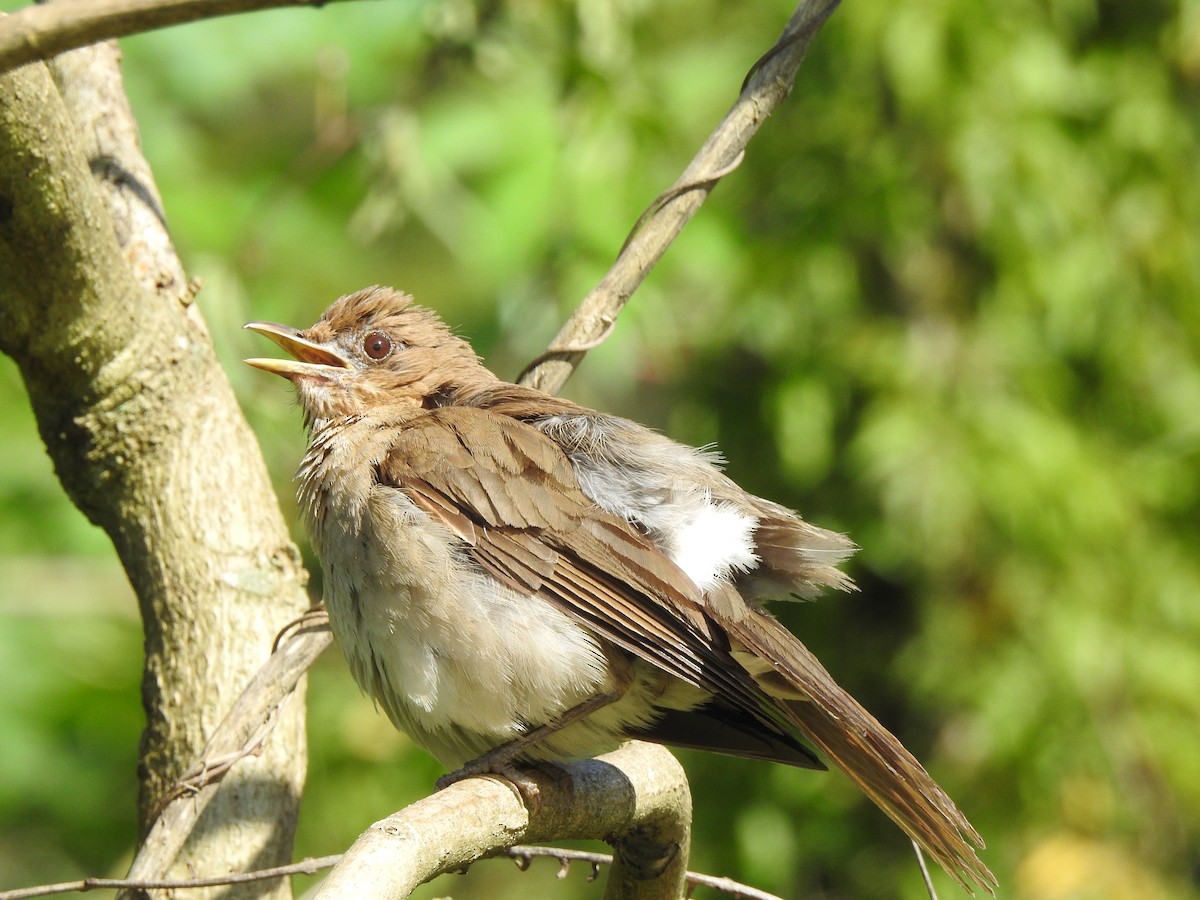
point(857, 744)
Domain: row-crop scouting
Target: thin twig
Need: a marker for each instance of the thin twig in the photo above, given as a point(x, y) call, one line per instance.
point(678, 190)
point(766, 86)
point(524, 853)
point(929, 888)
point(305, 867)
point(43, 31)
point(312, 865)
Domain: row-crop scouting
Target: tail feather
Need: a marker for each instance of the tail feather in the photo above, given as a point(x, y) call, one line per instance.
point(797, 556)
point(857, 744)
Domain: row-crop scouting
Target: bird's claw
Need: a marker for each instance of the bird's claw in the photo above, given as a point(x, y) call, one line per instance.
point(520, 779)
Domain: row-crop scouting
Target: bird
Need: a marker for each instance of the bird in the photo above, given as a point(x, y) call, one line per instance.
point(517, 579)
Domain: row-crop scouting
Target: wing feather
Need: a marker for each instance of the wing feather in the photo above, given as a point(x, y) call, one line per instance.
point(556, 542)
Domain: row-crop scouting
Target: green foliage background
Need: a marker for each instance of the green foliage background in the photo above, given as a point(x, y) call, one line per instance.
point(948, 304)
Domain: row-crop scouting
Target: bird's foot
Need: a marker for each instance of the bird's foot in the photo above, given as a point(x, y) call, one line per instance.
point(500, 766)
point(501, 761)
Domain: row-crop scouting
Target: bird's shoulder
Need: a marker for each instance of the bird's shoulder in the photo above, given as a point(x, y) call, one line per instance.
point(604, 447)
point(500, 469)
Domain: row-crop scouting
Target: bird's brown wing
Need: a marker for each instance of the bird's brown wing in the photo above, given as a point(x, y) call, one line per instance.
point(510, 494)
point(796, 558)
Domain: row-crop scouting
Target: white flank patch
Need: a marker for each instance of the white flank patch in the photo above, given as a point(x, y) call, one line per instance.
point(715, 542)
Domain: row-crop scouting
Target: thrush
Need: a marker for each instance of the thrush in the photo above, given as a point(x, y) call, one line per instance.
point(516, 578)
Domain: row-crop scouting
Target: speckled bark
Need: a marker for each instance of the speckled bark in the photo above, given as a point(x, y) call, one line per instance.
point(148, 441)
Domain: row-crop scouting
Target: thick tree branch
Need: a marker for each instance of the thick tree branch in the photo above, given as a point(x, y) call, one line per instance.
point(636, 798)
point(132, 405)
point(39, 32)
point(769, 83)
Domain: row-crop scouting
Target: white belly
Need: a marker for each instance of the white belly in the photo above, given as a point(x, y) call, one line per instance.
point(444, 648)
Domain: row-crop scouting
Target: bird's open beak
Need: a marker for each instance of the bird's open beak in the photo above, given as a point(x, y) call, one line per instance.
point(310, 359)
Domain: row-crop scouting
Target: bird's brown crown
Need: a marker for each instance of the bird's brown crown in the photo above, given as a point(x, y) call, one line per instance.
point(408, 327)
point(385, 309)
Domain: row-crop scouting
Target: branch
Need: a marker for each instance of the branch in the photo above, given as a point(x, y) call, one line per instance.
point(636, 798)
point(83, 885)
point(521, 854)
point(131, 401)
point(768, 84)
point(39, 32)
point(524, 854)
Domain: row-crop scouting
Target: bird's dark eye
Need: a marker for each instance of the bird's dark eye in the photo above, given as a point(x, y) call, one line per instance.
point(377, 345)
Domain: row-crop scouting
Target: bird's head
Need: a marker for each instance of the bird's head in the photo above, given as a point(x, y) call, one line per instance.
point(371, 347)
